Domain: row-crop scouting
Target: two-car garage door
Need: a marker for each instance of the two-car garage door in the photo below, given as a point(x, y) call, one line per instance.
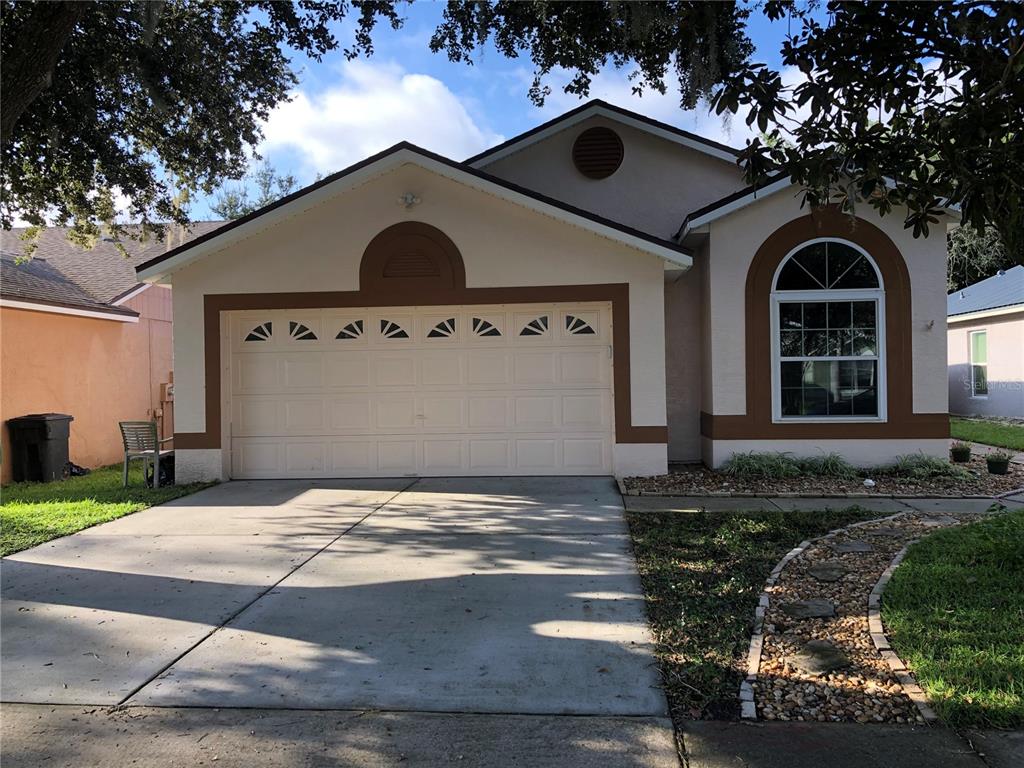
point(511, 389)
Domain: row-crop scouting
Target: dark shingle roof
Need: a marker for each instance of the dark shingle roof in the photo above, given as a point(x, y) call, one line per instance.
point(38, 280)
point(60, 272)
point(1004, 289)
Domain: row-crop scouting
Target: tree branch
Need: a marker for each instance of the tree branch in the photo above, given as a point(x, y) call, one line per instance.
point(28, 68)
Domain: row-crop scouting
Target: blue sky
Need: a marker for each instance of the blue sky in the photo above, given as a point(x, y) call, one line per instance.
point(343, 111)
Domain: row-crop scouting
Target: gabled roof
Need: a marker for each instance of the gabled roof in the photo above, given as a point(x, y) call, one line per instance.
point(733, 202)
point(597, 107)
point(61, 274)
point(38, 281)
point(402, 154)
point(1002, 290)
point(103, 271)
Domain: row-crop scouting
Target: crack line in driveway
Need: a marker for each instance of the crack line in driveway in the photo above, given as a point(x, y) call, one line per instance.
point(260, 596)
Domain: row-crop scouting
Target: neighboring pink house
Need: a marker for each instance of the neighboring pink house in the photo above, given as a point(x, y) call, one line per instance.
point(986, 347)
point(79, 334)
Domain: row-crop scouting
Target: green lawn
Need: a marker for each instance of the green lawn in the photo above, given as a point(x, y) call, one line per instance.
point(988, 432)
point(31, 513)
point(954, 611)
point(702, 574)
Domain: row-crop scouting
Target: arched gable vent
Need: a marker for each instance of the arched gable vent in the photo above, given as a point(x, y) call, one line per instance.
point(597, 152)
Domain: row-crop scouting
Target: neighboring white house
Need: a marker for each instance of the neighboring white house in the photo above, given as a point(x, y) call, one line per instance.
point(986, 346)
point(600, 295)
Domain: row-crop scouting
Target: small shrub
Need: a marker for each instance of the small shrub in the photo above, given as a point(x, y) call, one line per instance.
point(829, 465)
point(960, 451)
point(998, 462)
point(920, 466)
point(769, 465)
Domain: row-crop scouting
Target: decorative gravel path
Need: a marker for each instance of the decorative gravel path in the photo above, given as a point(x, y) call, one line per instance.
point(813, 656)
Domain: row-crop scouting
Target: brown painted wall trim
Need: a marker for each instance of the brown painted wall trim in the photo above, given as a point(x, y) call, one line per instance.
point(921, 426)
point(757, 424)
point(615, 293)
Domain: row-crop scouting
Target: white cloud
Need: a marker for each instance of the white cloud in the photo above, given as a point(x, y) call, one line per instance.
point(373, 106)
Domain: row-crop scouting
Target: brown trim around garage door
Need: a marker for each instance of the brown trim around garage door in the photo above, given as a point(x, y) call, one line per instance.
point(757, 424)
point(615, 293)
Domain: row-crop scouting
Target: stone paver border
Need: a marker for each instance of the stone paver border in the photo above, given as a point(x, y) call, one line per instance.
point(903, 675)
point(748, 709)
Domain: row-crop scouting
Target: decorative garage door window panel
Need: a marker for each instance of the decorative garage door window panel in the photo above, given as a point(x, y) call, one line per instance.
point(423, 391)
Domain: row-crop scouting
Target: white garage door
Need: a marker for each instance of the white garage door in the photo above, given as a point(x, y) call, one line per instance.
point(512, 389)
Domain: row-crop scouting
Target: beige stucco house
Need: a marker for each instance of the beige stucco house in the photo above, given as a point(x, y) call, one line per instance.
point(600, 295)
point(986, 346)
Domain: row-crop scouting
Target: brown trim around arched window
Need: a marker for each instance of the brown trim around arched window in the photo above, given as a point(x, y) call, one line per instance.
point(757, 424)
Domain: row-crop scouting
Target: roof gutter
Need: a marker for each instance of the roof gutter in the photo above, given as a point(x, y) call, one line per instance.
point(981, 314)
point(120, 316)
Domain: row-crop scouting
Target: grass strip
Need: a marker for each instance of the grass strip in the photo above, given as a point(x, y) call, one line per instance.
point(988, 433)
point(954, 612)
point(33, 513)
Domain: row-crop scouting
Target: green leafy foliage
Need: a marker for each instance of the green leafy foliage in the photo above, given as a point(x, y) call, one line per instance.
point(149, 101)
point(695, 43)
point(954, 611)
point(919, 466)
point(774, 465)
point(974, 255)
point(908, 104)
point(234, 201)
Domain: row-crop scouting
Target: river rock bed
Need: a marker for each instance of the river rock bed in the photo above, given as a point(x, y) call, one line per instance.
point(824, 667)
point(697, 480)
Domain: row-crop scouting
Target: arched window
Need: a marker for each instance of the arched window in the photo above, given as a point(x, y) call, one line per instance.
point(828, 330)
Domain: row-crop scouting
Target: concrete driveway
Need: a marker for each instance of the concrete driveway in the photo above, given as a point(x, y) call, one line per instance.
point(496, 595)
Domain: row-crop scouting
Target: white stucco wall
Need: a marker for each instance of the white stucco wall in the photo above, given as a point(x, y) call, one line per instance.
point(657, 185)
point(734, 241)
point(502, 245)
point(1005, 367)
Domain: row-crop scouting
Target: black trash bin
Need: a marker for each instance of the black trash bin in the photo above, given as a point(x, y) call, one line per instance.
point(39, 446)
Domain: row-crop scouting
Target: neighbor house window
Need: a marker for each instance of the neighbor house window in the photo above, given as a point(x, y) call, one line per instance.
point(828, 334)
point(979, 363)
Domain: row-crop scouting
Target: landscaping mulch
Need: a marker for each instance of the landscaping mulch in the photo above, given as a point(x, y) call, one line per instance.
point(826, 668)
point(697, 480)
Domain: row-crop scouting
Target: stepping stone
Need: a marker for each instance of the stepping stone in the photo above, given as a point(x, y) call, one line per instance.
point(828, 570)
point(815, 608)
point(888, 532)
point(936, 520)
point(818, 657)
point(853, 545)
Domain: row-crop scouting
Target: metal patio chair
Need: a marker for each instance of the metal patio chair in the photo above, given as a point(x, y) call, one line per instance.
point(141, 441)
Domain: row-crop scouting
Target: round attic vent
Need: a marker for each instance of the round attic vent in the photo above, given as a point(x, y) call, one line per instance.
point(597, 152)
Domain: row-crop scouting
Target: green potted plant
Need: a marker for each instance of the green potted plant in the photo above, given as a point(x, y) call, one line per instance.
point(998, 462)
point(960, 452)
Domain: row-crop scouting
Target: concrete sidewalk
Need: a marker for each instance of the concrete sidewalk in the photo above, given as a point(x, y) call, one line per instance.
point(845, 745)
point(78, 737)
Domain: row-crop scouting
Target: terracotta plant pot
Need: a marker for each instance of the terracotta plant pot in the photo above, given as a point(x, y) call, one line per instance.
point(997, 465)
point(960, 454)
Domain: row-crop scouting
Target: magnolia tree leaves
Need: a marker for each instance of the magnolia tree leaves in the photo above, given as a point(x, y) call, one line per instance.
point(906, 106)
